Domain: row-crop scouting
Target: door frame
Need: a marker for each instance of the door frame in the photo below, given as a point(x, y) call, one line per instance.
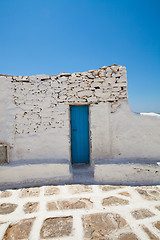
point(90, 159)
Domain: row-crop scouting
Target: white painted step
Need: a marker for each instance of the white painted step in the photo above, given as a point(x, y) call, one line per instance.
point(28, 173)
point(127, 172)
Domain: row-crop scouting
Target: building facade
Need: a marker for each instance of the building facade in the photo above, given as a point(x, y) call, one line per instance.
point(49, 123)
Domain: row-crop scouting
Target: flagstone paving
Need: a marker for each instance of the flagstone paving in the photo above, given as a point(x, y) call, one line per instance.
point(80, 212)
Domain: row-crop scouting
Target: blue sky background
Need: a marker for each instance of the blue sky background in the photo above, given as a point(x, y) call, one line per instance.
point(53, 36)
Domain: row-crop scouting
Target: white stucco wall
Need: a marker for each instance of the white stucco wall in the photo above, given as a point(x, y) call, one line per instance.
point(100, 131)
point(35, 117)
point(134, 135)
point(50, 142)
point(7, 114)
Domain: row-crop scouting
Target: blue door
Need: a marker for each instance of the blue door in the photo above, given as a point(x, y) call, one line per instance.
point(80, 134)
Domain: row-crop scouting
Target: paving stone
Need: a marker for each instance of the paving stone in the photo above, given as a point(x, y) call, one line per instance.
point(150, 234)
point(107, 188)
point(30, 207)
point(20, 230)
point(98, 226)
point(29, 192)
point(6, 208)
point(126, 194)
point(102, 224)
point(74, 189)
point(51, 190)
point(142, 213)
point(157, 225)
point(75, 203)
point(5, 194)
point(95, 236)
point(51, 206)
point(2, 223)
point(149, 193)
point(158, 207)
point(114, 201)
point(57, 227)
point(127, 236)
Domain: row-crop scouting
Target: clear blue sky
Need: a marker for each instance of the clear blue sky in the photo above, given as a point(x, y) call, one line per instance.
point(53, 36)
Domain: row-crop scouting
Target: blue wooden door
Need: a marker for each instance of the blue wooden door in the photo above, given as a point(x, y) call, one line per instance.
point(80, 134)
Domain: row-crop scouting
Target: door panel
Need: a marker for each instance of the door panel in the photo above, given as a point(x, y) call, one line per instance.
point(80, 134)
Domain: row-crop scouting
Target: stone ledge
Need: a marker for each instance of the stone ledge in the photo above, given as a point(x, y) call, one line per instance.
point(33, 173)
point(142, 161)
point(131, 172)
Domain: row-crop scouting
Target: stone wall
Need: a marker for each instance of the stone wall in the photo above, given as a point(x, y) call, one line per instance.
point(40, 99)
point(38, 107)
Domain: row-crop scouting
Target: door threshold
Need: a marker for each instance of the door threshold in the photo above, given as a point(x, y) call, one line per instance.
point(82, 174)
point(80, 164)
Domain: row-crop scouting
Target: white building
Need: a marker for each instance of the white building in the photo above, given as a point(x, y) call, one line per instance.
point(52, 122)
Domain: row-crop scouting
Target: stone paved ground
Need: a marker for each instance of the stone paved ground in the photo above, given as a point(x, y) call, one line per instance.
point(80, 212)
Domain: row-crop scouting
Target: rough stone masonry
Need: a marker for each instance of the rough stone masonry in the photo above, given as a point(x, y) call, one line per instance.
point(41, 100)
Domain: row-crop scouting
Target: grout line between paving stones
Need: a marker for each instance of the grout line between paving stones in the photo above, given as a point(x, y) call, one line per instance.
point(77, 225)
point(153, 229)
point(37, 224)
point(3, 228)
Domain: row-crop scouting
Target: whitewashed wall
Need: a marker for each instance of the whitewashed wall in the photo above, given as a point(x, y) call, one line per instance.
point(134, 135)
point(7, 108)
point(100, 131)
point(35, 118)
